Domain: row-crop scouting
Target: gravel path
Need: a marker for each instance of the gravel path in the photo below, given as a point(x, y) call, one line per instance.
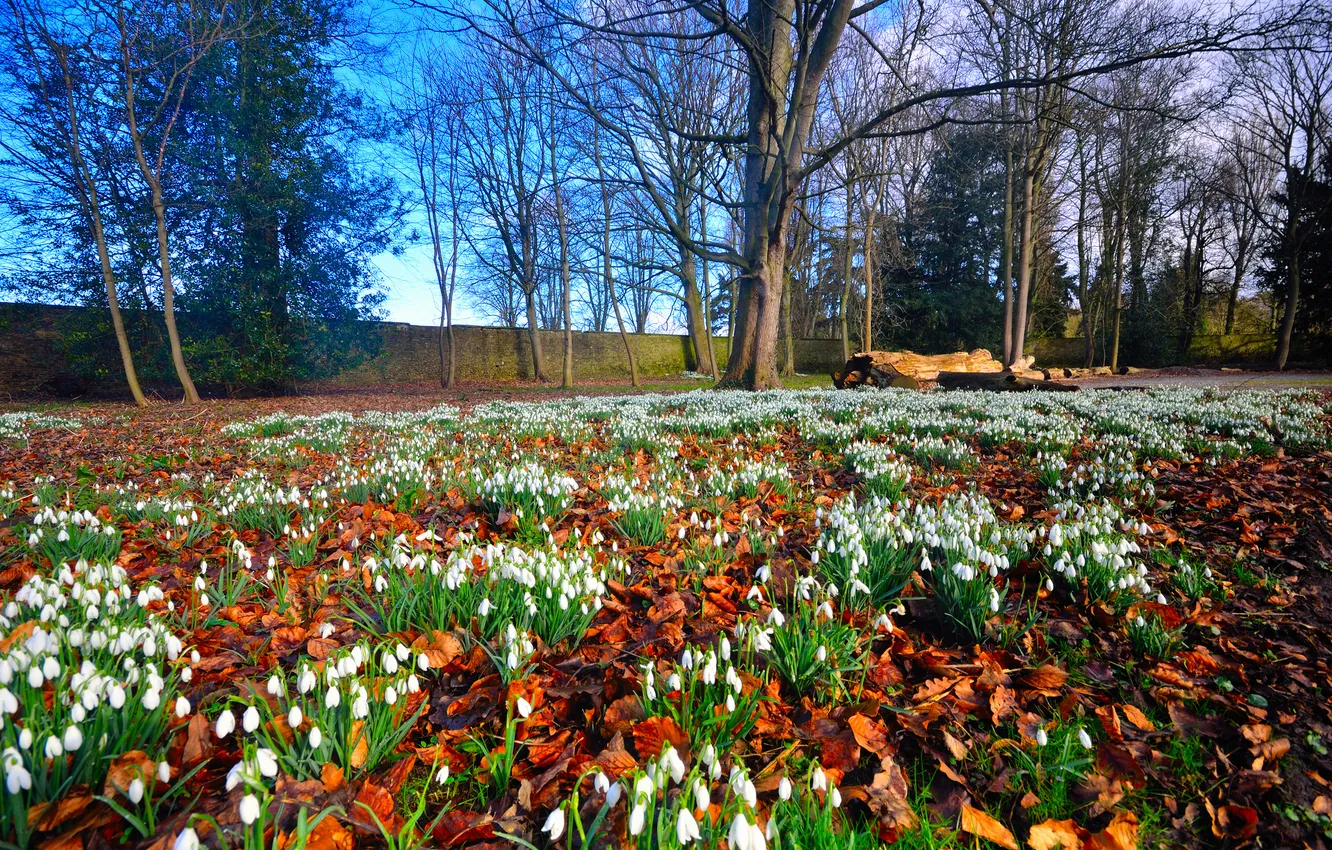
point(1225, 378)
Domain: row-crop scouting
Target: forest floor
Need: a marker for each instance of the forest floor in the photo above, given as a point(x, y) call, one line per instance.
point(1098, 620)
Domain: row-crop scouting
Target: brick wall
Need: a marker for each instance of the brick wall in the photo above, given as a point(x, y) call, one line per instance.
point(31, 362)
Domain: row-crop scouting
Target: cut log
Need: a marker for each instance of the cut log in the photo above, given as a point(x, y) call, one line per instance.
point(889, 368)
point(998, 382)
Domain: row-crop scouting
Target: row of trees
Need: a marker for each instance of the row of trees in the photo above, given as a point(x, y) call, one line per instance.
point(926, 175)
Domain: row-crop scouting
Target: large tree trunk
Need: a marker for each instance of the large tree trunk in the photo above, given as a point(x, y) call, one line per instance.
point(754, 355)
point(1026, 253)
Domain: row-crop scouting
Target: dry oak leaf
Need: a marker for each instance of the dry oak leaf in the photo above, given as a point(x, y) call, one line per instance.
point(1135, 716)
point(198, 740)
point(980, 824)
point(1046, 679)
point(869, 733)
point(329, 835)
point(441, 649)
point(45, 817)
point(651, 736)
point(127, 767)
point(332, 777)
point(1056, 835)
point(376, 798)
point(360, 745)
point(1239, 823)
point(1003, 703)
point(887, 799)
point(1120, 834)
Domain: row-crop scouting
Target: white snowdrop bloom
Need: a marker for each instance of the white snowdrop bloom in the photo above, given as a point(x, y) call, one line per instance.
point(182, 707)
point(784, 789)
point(249, 809)
point(295, 717)
point(835, 797)
point(267, 762)
point(333, 698)
point(316, 738)
point(188, 839)
point(163, 772)
point(1042, 738)
point(702, 796)
point(637, 819)
point(686, 828)
point(821, 654)
point(819, 780)
point(226, 724)
point(135, 791)
point(554, 824)
point(250, 719)
point(524, 708)
point(739, 835)
point(53, 748)
point(73, 739)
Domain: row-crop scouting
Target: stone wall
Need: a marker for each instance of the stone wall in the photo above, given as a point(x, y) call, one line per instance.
point(32, 362)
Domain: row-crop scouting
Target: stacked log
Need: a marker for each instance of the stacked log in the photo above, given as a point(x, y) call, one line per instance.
point(909, 369)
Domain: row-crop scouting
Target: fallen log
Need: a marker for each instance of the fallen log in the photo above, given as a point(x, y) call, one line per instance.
point(908, 369)
point(1001, 382)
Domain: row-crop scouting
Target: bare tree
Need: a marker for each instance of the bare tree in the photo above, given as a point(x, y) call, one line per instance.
point(1290, 93)
point(1246, 185)
point(50, 59)
point(159, 44)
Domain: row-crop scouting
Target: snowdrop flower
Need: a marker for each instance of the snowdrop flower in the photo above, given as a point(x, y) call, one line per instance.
point(784, 789)
point(819, 781)
point(267, 761)
point(637, 818)
point(135, 791)
point(73, 739)
point(835, 797)
point(686, 828)
point(163, 772)
point(250, 719)
point(53, 748)
point(1041, 738)
point(187, 840)
point(442, 775)
point(554, 824)
point(1084, 739)
point(249, 809)
point(601, 782)
point(524, 708)
point(226, 724)
point(333, 698)
point(740, 833)
point(316, 738)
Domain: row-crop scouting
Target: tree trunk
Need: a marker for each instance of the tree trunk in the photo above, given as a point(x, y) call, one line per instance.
point(1026, 252)
point(788, 345)
point(169, 299)
point(606, 254)
point(707, 293)
point(846, 280)
point(534, 335)
point(1241, 256)
point(693, 302)
point(1292, 303)
point(117, 321)
point(1006, 255)
point(868, 258)
point(754, 355)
